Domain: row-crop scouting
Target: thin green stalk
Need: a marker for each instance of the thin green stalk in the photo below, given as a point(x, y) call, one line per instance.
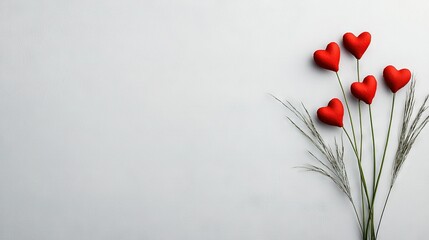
point(374, 164)
point(348, 109)
point(357, 66)
point(354, 146)
point(381, 166)
point(386, 144)
point(357, 216)
point(384, 208)
point(374, 158)
point(360, 113)
point(360, 148)
point(362, 176)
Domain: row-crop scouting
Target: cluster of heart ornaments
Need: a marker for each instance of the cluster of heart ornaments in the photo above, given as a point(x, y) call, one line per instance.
point(330, 159)
point(365, 91)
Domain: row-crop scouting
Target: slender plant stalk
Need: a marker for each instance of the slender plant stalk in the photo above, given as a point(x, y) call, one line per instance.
point(382, 212)
point(362, 176)
point(371, 213)
point(386, 143)
point(348, 110)
point(374, 172)
point(360, 113)
point(374, 158)
point(360, 151)
point(361, 184)
point(357, 216)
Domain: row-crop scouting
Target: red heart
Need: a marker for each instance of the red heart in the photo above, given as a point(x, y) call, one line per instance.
point(332, 114)
point(365, 90)
point(357, 45)
point(396, 79)
point(329, 58)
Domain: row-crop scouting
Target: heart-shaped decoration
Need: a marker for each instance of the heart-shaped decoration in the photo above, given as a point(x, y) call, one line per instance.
point(365, 90)
point(329, 58)
point(332, 114)
point(357, 45)
point(396, 79)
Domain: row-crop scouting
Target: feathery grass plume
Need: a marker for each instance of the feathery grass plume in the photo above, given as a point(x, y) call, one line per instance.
point(333, 166)
point(409, 133)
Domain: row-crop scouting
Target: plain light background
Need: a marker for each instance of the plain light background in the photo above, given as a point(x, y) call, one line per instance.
point(152, 120)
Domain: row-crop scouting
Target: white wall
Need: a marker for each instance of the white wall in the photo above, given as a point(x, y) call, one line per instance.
point(151, 119)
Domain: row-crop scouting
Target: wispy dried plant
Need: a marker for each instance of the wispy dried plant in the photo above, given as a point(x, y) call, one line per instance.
point(410, 130)
point(409, 133)
point(333, 164)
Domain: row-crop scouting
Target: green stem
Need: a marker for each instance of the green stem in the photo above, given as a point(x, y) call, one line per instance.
point(357, 215)
point(374, 172)
point(360, 149)
point(384, 208)
point(348, 109)
point(382, 163)
point(360, 116)
point(386, 144)
point(374, 166)
point(362, 176)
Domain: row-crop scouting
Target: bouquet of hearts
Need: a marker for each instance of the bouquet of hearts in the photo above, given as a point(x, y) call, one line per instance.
point(329, 157)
